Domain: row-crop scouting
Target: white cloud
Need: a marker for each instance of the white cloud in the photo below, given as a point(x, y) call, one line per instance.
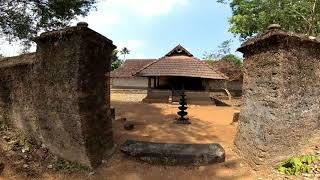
point(135, 47)
point(103, 17)
point(12, 49)
point(148, 8)
point(138, 56)
point(114, 12)
point(130, 44)
point(111, 12)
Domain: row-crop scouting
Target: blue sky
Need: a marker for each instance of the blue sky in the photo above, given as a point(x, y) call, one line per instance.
point(151, 28)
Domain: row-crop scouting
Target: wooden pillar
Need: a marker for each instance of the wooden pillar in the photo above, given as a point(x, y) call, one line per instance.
point(158, 78)
point(154, 82)
point(207, 84)
point(149, 83)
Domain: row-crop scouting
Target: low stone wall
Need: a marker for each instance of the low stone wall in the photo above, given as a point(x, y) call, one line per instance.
point(193, 97)
point(157, 96)
point(234, 87)
point(16, 107)
point(281, 105)
point(60, 95)
point(130, 83)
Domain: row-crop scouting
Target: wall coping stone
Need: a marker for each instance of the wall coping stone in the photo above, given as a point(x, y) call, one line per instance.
point(81, 29)
point(276, 32)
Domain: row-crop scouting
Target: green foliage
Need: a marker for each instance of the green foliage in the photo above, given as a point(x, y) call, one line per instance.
point(236, 60)
point(116, 62)
point(212, 56)
point(223, 54)
point(68, 166)
point(254, 16)
point(124, 51)
point(3, 126)
point(223, 49)
point(298, 165)
point(22, 20)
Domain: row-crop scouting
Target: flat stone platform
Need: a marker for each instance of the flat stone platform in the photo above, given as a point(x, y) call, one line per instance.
point(174, 154)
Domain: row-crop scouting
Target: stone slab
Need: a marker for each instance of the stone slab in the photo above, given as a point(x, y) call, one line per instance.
point(174, 154)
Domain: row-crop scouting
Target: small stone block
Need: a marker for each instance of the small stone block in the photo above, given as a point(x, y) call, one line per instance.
point(122, 119)
point(128, 126)
point(235, 117)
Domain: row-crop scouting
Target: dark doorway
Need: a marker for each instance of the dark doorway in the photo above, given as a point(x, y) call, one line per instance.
point(188, 83)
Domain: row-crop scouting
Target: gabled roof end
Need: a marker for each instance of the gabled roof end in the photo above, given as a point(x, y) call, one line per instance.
point(179, 50)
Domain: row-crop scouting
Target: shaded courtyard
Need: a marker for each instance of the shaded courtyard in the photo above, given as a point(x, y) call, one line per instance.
point(155, 122)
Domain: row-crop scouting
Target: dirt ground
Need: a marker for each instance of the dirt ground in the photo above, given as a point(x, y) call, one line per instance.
point(155, 122)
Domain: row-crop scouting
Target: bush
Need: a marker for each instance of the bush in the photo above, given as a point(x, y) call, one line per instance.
point(298, 165)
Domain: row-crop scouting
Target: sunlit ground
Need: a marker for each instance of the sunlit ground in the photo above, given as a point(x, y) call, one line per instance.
point(156, 123)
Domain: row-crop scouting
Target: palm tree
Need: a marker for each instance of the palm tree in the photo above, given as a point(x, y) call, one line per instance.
point(124, 51)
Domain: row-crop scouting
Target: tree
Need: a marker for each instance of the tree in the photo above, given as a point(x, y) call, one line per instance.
point(116, 62)
point(254, 16)
point(234, 59)
point(23, 19)
point(210, 55)
point(223, 54)
point(124, 51)
point(223, 49)
point(1, 56)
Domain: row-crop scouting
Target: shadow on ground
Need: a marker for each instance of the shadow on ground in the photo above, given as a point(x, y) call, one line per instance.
point(156, 123)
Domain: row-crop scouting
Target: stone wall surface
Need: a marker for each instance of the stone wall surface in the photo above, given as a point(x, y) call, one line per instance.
point(281, 105)
point(60, 95)
point(16, 99)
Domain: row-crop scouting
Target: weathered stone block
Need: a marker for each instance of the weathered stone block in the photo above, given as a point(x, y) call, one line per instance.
point(72, 105)
point(128, 126)
point(60, 95)
point(174, 154)
point(235, 118)
point(281, 96)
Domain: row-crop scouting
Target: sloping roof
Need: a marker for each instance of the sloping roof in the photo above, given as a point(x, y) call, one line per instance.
point(130, 67)
point(229, 68)
point(179, 50)
point(179, 62)
point(24, 59)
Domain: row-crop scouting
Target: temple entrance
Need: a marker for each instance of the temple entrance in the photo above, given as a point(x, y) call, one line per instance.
point(186, 83)
point(179, 83)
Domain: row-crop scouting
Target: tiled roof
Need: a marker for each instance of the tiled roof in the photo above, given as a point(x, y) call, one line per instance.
point(24, 59)
point(179, 62)
point(179, 50)
point(130, 67)
point(229, 68)
point(180, 66)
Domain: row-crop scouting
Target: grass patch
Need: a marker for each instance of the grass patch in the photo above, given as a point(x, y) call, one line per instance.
point(68, 166)
point(298, 165)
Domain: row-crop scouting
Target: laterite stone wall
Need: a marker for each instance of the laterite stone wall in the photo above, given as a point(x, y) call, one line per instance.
point(60, 95)
point(281, 108)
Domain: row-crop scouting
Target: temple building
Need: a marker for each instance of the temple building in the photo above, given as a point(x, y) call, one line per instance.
point(165, 77)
